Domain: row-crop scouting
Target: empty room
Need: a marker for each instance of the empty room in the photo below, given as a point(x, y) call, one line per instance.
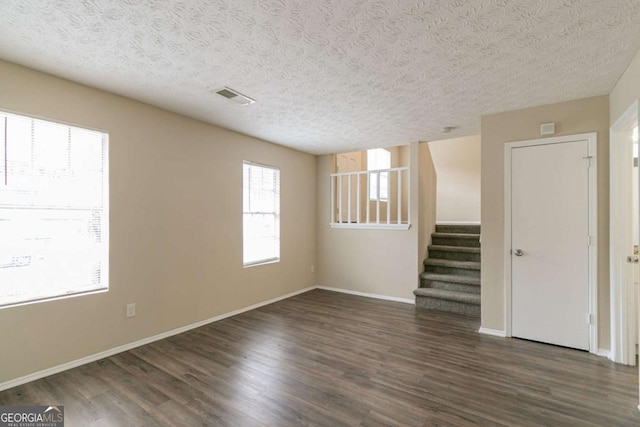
point(331, 213)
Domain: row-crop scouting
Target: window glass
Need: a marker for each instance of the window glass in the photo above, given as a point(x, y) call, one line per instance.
point(261, 214)
point(377, 159)
point(53, 210)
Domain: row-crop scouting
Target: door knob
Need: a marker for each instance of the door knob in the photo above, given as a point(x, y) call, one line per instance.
point(518, 252)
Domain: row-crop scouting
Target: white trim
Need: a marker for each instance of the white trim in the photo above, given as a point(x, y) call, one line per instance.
point(593, 236)
point(48, 119)
point(83, 361)
point(372, 226)
point(457, 222)
point(592, 139)
point(493, 332)
point(368, 295)
point(603, 353)
point(507, 240)
point(56, 298)
point(623, 326)
point(262, 165)
point(262, 262)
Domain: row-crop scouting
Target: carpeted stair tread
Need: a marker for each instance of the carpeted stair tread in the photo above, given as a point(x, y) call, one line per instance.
point(444, 248)
point(451, 278)
point(457, 236)
point(451, 281)
point(464, 265)
point(463, 297)
point(458, 228)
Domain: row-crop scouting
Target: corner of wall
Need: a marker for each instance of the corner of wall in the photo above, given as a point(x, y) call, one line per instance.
point(427, 186)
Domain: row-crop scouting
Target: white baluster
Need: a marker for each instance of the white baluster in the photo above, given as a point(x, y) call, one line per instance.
point(333, 199)
point(349, 199)
point(378, 199)
point(358, 200)
point(399, 196)
point(340, 198)
point(368, 198)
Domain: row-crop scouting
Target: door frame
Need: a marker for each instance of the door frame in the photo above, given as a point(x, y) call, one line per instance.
point(592, 144)
point(622, 289)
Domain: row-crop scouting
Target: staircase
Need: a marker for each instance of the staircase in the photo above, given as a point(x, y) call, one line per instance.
point(451, 280)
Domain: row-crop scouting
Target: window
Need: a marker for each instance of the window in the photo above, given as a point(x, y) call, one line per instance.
point(378, 159)
point(261, 214)
point(54, 213)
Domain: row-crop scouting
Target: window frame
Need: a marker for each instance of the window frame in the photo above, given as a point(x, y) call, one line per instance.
point(104, 246)
point(276, 213)
point(373, 193)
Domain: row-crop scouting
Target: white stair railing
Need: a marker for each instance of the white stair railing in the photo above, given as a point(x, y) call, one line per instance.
point(370, 199)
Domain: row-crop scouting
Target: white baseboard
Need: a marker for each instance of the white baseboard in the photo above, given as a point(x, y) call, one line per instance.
point(603, 353)
point(367, 295)
point(493, 332)
point(83, 361)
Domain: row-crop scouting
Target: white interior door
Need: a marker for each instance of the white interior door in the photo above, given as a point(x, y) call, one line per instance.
point(549, 241)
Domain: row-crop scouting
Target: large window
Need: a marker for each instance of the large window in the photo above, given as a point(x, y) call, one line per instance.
point(377, 159)
point(54, 213)
point(261, 214)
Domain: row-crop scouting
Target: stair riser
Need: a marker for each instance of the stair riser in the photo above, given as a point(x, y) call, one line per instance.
point(453, 241)
point(438, 269)
point(440, 288)
point(458, 256)
point(449, 306)
point(458, 287)
point(467, 229)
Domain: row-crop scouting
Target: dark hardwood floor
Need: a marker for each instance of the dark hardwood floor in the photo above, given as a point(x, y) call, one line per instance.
point(330, 359)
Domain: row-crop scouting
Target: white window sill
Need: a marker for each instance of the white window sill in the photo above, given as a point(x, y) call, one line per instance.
point(55, 298)
point(262, 262)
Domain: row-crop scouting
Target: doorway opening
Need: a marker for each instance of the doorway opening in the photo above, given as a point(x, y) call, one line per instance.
point(624, 238)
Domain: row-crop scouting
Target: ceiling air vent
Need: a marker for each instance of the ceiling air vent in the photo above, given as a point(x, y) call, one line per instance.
point(235, 96)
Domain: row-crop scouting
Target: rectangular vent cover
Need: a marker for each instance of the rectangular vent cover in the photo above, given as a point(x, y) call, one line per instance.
point(235, 96)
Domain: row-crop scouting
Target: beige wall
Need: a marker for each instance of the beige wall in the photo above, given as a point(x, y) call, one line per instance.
point(582, 116)
point(626, 91)
point(176, 226)
point(457, 163)
point(428, 182)
point(383, 262)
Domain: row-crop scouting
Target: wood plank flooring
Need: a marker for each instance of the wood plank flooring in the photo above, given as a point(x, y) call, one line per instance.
point(329, 359)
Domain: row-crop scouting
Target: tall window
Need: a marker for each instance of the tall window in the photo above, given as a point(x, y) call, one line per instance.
point(261, 214)
point(377, 159)
point(54, 212)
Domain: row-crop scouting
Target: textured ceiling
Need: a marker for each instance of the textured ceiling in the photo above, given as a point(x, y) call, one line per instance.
point(331, 75)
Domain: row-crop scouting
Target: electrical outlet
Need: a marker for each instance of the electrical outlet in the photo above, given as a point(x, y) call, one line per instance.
point(131, 310)
point(313, 268)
